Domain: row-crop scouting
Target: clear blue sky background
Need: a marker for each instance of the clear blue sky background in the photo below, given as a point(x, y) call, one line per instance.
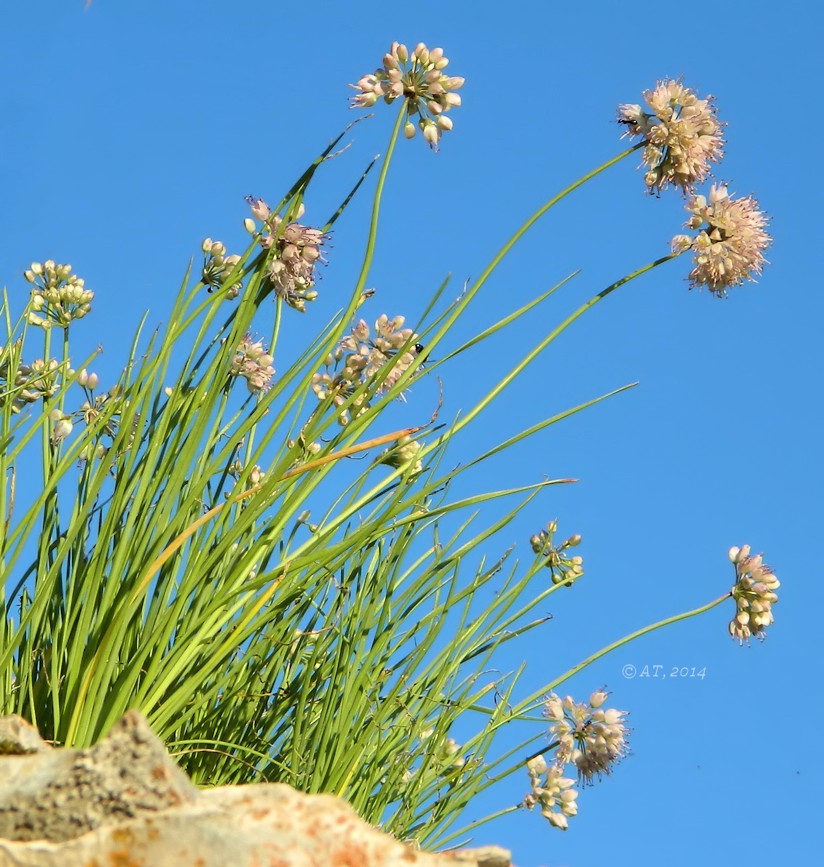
point(132, 130)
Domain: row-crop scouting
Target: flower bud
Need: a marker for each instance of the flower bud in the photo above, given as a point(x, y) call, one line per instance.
point(598, 698)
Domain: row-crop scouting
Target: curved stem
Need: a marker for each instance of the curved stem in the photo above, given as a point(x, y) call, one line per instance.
point(466, 829)
point(373, 220)
point(544, 208)
point(632, 636)
point(537, 350)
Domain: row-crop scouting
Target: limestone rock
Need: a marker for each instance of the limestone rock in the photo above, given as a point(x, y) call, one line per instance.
point(18, 737)
point(59, 794)
point(125, 802)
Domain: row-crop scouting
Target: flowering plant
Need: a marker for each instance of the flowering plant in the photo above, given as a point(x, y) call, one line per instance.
point(171, 561)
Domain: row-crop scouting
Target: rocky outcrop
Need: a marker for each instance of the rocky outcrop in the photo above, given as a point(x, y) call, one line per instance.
point(124, 802)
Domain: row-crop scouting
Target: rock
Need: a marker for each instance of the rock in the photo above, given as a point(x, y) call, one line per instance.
point(59, 794)
point(18, 737)
point(124, 802)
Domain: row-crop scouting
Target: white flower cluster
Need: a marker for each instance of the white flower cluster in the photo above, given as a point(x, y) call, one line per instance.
point(58, 296)
point(586, 736)
point(754, 594)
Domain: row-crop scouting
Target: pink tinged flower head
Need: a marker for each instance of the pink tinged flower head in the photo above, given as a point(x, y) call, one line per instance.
point(377, 358)
point(418, 78)
point(588, 736)
point(297, 252)
point(728, 247)
point(682, 133)
point(254, 364)
point(754, 593)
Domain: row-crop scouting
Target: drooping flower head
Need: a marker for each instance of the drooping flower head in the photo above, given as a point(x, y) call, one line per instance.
point(588, 736)
point(554, 792)
point(730, 242)
point(419, 80)
point(23, 383)
point(754, 594)
point(682, 133)
point(298, 251)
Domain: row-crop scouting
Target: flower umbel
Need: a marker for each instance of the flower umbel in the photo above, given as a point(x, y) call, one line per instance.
point(360, 358)
point(297, 252)
point(58, 296)
point(555, 793)
point(587, 736)
point(29, 382)
point(419, 80)
point(217, 266)
point(729, 245)
point(682, 133)
point(564, 569)
point(254, 364)
point(754, 594)
point(404, 454)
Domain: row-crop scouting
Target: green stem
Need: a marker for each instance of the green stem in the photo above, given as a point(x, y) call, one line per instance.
point(544, 208)
point(632, 636)
point(373, 220)
point(466, 829)
point(537, 350)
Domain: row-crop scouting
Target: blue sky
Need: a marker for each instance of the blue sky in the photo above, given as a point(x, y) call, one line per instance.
point(133, 130)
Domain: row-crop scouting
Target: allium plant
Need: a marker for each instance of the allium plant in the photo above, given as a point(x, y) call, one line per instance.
point(168, 559)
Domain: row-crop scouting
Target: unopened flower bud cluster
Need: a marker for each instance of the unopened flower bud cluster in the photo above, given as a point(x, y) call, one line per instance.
point(305, 449)
point(754, 594)
point(298, 250)
point(254, 364)
point(418, 78)
point(29, 382)
point(58, 296)
point(445, 760)
point(448, 756)
point(217, 266)
point(404, 454)
point(256, 474)
point(555, 793)
point(378, 360)
point(564, 568)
